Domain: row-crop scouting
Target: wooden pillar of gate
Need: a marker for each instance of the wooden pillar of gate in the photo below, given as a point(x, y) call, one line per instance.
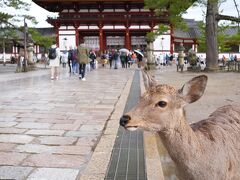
point(76, 34)
point(171, 40)
point(127, 39)
point(101, 40)
point(56, 26)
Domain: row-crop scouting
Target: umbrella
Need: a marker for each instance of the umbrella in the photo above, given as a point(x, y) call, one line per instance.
point(139, 52)
point(124, 50)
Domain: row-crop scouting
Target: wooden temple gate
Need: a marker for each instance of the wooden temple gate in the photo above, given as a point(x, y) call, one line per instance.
point(103, 24)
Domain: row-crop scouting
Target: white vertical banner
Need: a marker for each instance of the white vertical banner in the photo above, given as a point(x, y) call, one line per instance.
point(193, 46)
point(162, 43)
point(65, 41)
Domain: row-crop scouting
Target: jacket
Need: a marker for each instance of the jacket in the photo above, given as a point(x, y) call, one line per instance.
point(82, 55)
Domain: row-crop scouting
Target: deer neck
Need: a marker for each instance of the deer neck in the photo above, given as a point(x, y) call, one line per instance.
point(180, 141)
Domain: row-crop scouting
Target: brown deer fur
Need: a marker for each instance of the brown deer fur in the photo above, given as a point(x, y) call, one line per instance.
point(206, 150)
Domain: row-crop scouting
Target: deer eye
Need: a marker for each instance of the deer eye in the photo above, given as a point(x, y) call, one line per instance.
point(161, 104)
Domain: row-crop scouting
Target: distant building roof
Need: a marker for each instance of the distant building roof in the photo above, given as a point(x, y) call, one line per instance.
point(231, 30)
point(47, 31)
point(193, 31)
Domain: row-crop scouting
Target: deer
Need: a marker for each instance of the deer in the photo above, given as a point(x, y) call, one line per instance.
point(205, 150)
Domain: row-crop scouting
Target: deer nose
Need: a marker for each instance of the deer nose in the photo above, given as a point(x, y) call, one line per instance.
point(124, 120)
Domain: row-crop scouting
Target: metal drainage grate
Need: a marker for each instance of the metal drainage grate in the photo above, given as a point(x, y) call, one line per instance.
point(127, 160)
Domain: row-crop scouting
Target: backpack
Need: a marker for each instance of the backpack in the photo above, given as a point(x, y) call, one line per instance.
point(115, 56)
point(92, 56)
point(70, 55)
point(52, 53)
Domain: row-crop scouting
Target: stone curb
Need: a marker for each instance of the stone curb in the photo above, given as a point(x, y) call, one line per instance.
point(97, 166)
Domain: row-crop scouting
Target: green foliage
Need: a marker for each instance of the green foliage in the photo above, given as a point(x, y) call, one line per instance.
point(9, 22)
point(173, 8)
point(150, 37)
point(234, 39)
point(6, 18)
point(162, 28)
point(16, 4)
point(202, 38)
point(41, 40)
point(222, 38)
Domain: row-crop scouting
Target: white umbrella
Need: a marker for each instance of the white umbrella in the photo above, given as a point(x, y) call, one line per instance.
point(124, 50)
point(139, 52)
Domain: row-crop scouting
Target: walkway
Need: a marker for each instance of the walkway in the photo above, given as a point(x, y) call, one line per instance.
point(49, 129)
point(66, 129)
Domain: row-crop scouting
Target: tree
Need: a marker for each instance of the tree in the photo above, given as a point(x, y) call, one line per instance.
point(222, 38)
point(9, 23)
point(177, 8)
point(44, 41)
point(234, 39)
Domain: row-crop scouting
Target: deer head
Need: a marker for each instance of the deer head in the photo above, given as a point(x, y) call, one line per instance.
point(161, 107)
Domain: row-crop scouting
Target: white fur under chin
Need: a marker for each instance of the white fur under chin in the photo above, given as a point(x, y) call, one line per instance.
point(132, 128)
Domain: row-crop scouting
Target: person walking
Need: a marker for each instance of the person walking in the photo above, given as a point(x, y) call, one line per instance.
point(75, 65)
point(64, 58)
point(123, 58)
point(110, 57)
point(54, 61)
point(92, 57)
point(140, 59)
point(82, 59)
point(129, 60)
point(70, 58)
point(115, 58)
point(235, 58)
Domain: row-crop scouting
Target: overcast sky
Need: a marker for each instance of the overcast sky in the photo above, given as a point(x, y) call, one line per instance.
point(196, 13)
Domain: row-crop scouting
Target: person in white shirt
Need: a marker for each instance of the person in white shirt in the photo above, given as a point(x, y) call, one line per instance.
point(54, 61)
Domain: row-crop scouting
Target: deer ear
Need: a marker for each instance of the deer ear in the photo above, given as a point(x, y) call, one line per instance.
point(193, 89)
point(149, 80)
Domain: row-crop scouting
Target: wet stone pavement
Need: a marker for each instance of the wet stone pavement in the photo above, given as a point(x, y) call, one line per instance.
point(54, 129)
point(49, 129)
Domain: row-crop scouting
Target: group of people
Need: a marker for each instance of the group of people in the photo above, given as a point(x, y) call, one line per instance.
point(78, 59)
point(164, 59)
point(231, 58)
point(74, 57)
point(124, 58)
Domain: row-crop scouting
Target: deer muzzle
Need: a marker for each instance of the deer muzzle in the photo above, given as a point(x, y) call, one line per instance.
point(124, 120)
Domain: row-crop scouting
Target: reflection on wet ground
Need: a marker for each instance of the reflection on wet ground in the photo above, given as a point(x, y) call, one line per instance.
point(8, 86)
